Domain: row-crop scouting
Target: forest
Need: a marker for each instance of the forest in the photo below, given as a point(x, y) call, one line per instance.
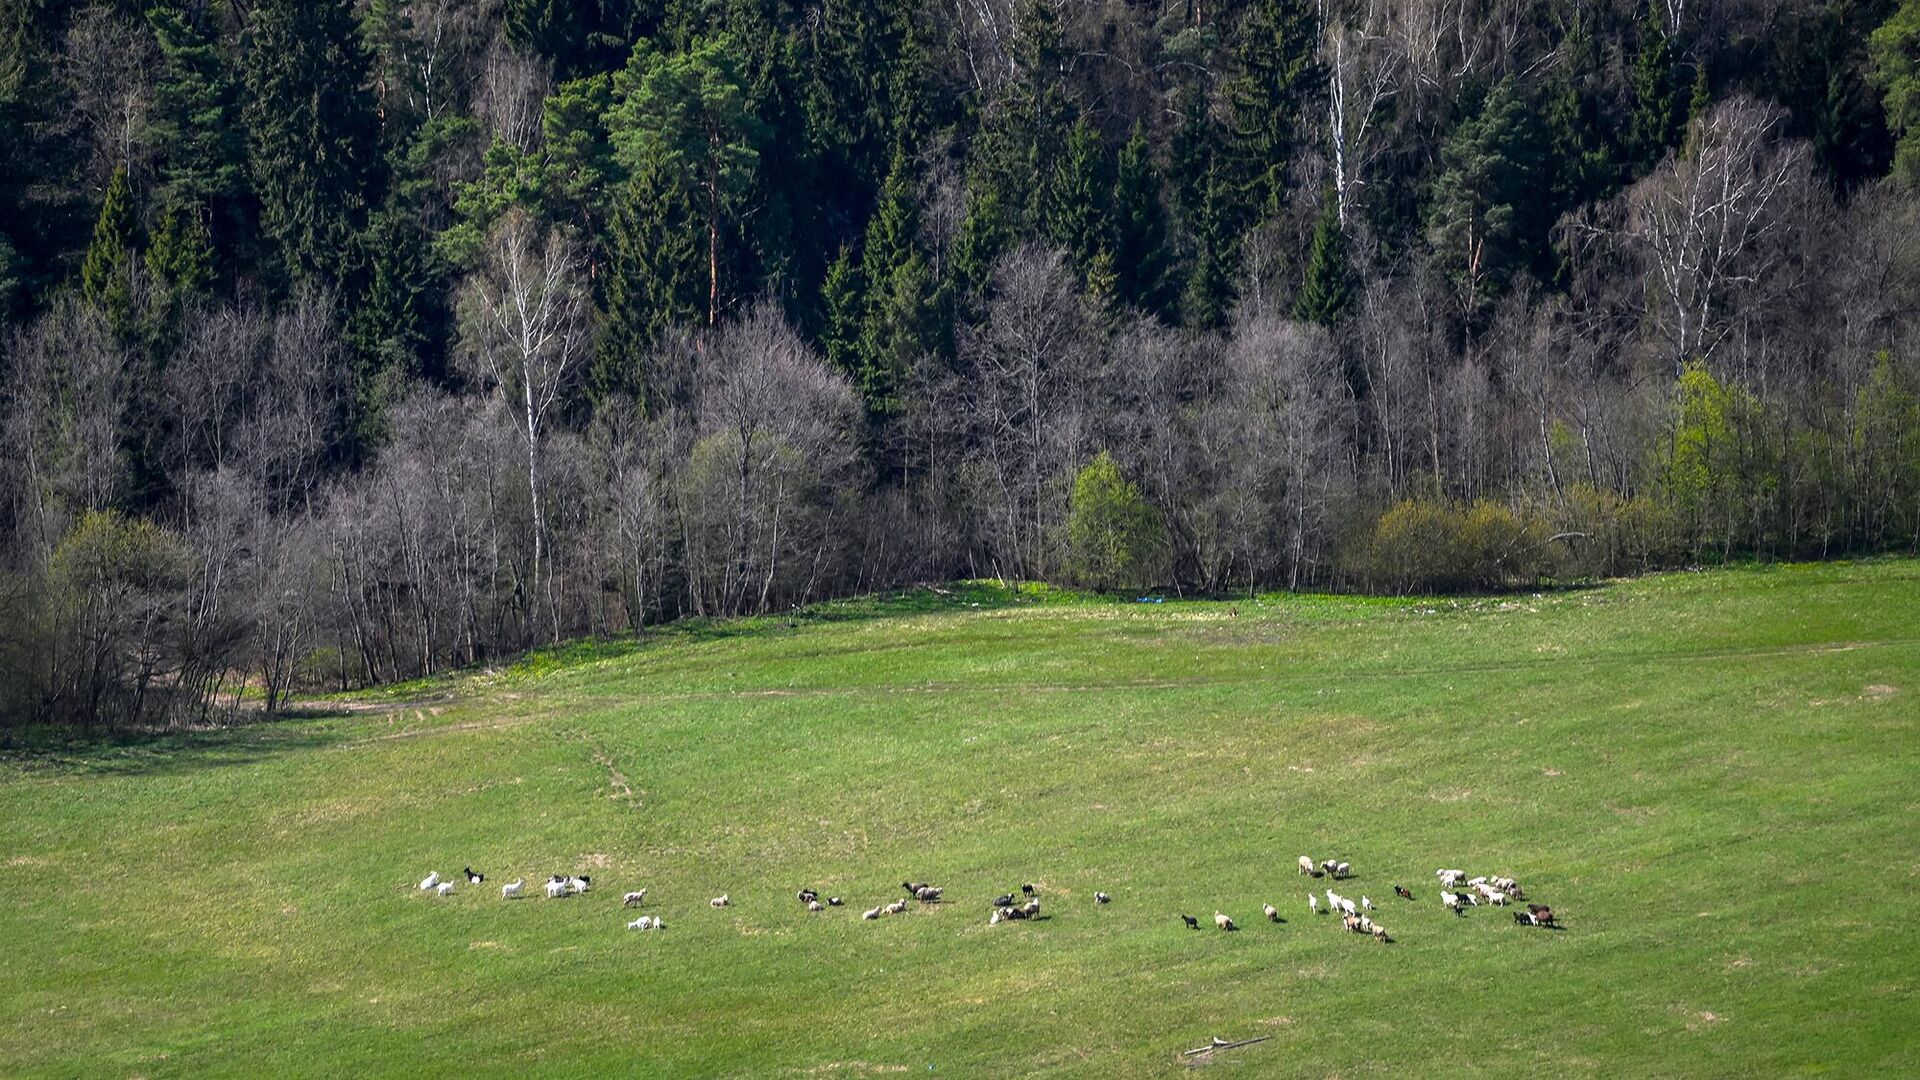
point(347, 343)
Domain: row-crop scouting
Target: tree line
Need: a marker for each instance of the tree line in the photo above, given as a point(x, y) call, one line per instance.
point(350, 342)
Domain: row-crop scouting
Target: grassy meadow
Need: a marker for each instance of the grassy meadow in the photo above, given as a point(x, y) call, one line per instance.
point(1713, 778)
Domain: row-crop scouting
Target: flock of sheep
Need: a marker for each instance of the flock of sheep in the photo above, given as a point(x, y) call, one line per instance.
point(1493, 891)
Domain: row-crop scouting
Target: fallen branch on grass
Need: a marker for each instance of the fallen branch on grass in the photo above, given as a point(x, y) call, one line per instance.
point(1223, 1044)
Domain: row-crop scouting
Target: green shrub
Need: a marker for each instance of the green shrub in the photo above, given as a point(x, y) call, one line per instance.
point(1115, 538)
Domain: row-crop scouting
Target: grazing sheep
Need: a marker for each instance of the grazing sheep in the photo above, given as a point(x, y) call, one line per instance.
point(1343, 870)
point(993, 919)
point(512, 889)
point(1026, 890)
point(815, 905)
point(913, 887)
point(927, 894)
point(1192, 923)
point(1003, 900)
point(556, 889)
point(633, 899)
point(1327, 866)
point(896, 907)
point(445, 888)
point(1451, 901)
point(430, 881)
point(644, 922)
point(1474, 883)
point(1401, 891)
point(1450, 878)
point(473, 878)
point(1379, 933)
point(1102, 898)
point(1348, 906)
point(1306, 866)
point(1313, 903)
point(834, 901)
point(1030, 908)
point(1542, 915)
point(1272, 913)
point(720, 901)
point(1351, 922)
point(580, 883)
point(1497, 898)
point(1223, 922)
point(870, 913)
point(1366, 903)
point(808, 896)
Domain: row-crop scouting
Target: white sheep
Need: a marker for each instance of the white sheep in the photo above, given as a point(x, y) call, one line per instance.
point(720, 901)
point(633, 899)
point(513, 889)
point(896, 907)
point(1451, 901)
point(1343, 870)
point(1348, 906)
point(556, 889)
point(815, 905)
point(579, 884)
point(1313, 903)
point(430, 881)
point(445, 888)
point(1306, 865)
point(1379, 933)
point(994, 919)
point(870, 913)
point(1366, 903)
point(644, 922)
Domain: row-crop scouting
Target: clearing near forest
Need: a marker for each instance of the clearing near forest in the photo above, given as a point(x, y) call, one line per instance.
point(1713, 778)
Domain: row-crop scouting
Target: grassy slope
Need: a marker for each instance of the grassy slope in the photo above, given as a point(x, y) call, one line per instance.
point(1711, 777)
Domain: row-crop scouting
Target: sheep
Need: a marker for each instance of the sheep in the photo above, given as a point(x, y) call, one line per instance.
point(580, 883)
point(1343, 870)
point(720, 901)
point(1327, 866)
point(1102, 898)
point(1524, 918)
point(994, 919)
point(1364, 925)
point(1450, 878)
point(815, 905)
point(870, 913)
point(1272, 913)
point(1542, 915)
point(445, 888)
point(556, 889)
point(1306, 866)
point(473, 878)
point(1451, 901)
point(1011, 913)
point(430, 881)
point(634, 899)
point(1223, 922)
point(1313, 903)
point(1474, 883)
point(808, 896)
point(1366, 903)
point(1192, 923)
point(644, 922)
point(1347, 906)
point(1497, 898)
point(1379, 933)
point(1401, 891)
point(927, 894)
point(1333, 899)
point(896, 907)
point(913, 887)
point(1026, 890)
point(1351, 922)
point(512, 889)
point(834, 901)
point(1030, 909)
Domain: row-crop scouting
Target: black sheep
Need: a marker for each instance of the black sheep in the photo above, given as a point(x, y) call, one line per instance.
point(1192, 923)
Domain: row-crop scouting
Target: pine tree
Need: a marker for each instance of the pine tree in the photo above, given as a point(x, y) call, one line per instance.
point(180, 258)
point(1484, 223)
point(1697, 105)
point(1277, 72)
point(895, 329)
point(1328, 288)
point(315, 152)
point(651, 282)
point(1140, 252)
point(986, 232)
point(845, 300)
point(1896, 71)
point(195, 125)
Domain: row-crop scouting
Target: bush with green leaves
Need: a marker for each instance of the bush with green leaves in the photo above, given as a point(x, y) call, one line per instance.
point(1115, 537)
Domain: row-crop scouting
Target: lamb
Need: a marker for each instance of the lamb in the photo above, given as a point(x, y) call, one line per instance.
point(1347, 906)
point(815, 905)
point(808, 896)
point(1192, 923)
point(914, 887)
point(1363, 924)
point(1366, 903)
point(512, 889)
point(445, 888)
point(1350, 922)
point(1343, 870)
point(556, 889)
point(1379, 933)
point(1102, 898)
point(896, 907)
point(1327, 866)
point(430, 881)
point(1542, 915)
point(644, 922)
point(580, 883)
point(1306, 866)
point(834, 901)
point(633, 899)
point(1026, 890)
point(1272, 913)
point(1313, 903)
point(1401, 891)
point(1223, 922)
point(870, 913)
point(1030, 909)
point(993, 919)
point(720, 901)
point(473, 878)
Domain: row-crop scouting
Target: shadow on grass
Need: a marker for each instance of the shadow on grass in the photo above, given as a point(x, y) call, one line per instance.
point(47, 751)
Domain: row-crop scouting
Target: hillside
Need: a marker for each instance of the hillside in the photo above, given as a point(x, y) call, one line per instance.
point(1709, 776)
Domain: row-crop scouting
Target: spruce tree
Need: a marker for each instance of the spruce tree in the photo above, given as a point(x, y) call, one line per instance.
point(315, 132)
point(103, 275)
point(1079, 217)
point(844, 297)
point(1654, 126)
point(1140, 252)
point(652, 279)
point(1327, 289)
point(180, 257)
point(194, 125)
point(1209, 291)
point(1277, 73)
point(986, 232)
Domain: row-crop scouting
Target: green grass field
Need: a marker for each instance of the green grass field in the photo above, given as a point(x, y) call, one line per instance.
point(1713, 778)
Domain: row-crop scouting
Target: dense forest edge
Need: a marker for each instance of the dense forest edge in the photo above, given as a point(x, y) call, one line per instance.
point(349, 343)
